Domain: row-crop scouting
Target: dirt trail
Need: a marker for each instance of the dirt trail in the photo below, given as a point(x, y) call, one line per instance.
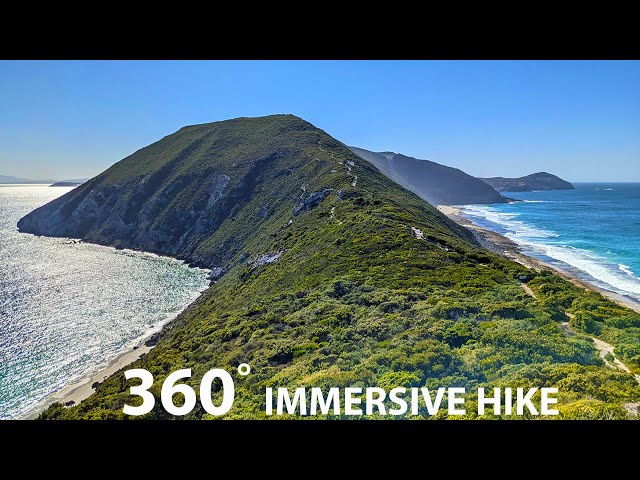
point(602, 346)
point(566, 328)
point(348, 164)
point(529, 291)
point(605, 348)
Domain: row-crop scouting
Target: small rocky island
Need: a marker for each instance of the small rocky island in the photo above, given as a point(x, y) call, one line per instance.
point(69, 183)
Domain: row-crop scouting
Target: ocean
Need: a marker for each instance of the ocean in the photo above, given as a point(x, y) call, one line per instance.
point(67, 308)
point(592, 231)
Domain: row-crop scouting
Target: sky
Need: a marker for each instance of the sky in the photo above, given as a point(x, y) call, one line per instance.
point(577, 119)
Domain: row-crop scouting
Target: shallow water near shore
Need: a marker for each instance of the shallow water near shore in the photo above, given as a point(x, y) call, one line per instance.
point(67, 307)
point(592, 231)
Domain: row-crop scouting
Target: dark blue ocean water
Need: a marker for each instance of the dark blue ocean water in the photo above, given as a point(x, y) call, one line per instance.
point(593, 230)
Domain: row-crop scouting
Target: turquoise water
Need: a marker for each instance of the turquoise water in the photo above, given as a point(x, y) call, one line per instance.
point(67, 308)
point(593, 230)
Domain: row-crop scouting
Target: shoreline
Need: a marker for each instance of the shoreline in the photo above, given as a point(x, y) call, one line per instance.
point(507, 248)
point(83, 388)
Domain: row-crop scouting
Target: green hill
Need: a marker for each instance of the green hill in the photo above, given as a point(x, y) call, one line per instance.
point(330, 275)
point(437, 184)
point(529, 183)
point(212, 193)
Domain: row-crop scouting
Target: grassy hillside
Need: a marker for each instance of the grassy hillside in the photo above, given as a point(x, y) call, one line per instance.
point(335, 276)
point(437, 184)
point(207, 193)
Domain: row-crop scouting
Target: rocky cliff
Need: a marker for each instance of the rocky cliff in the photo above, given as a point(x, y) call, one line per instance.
point(208, 192)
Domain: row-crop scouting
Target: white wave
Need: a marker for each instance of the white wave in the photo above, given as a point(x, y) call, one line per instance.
point(506, 220)
point(608, 189)
point(626, 269)
point(617, 277)
point(535, 201)
point(524, 230)
point(488, 212)
point(586, 261)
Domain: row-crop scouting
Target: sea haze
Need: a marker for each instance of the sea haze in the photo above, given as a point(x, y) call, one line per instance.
point(67, 308)
point(594, 230)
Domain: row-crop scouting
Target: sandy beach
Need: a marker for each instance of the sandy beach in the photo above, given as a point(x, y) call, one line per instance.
point(507, 248)
point(82, 389)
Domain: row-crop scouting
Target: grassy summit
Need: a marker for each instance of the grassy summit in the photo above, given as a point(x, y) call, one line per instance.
point(330, 275)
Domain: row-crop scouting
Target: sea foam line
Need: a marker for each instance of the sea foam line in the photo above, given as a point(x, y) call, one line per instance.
point(617, 277)
point(506, 220)
point(627, 269)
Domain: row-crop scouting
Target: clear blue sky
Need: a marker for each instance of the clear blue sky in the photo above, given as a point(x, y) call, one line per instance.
point(580, 120)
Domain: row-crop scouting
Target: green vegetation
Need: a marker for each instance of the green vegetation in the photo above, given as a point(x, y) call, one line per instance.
point(591, 313)
point(355, 299)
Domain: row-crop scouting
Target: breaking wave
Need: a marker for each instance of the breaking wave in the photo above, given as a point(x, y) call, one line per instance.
point(544, 242)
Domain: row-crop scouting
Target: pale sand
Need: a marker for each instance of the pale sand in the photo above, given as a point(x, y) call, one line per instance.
point(82, 389)
point(507, 248)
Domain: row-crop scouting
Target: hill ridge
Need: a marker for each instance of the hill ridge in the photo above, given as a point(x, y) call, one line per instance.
point(144, 215)
point(436, 183)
